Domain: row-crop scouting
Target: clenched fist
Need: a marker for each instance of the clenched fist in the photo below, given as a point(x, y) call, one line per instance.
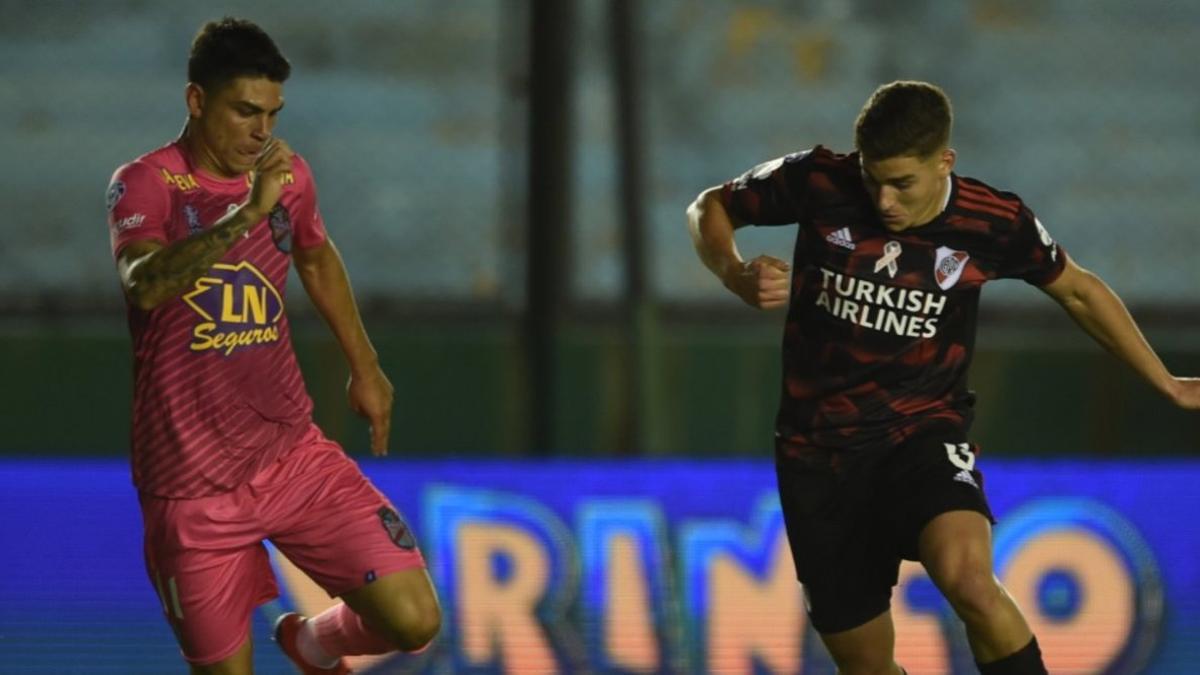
point(763, 282)
point(273, 163)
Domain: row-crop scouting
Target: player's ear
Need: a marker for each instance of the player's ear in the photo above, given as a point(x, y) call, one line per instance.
point(947, 163)
point(194, 96)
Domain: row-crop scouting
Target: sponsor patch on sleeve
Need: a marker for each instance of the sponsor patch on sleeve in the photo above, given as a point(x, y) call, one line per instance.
point(115, 192)
point(131, 222)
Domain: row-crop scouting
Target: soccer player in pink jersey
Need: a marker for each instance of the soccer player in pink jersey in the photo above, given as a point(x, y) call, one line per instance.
point(225, 453)
point(872, 456)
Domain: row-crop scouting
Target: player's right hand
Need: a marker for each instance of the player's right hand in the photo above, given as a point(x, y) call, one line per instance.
point(371, 395)
point(266, 186)
point(763, 282)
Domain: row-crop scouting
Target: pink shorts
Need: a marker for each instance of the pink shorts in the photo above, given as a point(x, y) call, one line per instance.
point(208, 564)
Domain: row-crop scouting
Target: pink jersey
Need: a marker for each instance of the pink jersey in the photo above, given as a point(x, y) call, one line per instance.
point(218, 394)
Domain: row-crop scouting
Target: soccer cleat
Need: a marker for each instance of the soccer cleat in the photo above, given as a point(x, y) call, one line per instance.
point(287, 630)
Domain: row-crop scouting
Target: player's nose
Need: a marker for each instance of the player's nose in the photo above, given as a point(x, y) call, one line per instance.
point(885, 199)
point(262, 128)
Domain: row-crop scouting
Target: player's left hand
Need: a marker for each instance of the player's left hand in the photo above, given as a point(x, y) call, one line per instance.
point(370, 395)
point(1186, 392)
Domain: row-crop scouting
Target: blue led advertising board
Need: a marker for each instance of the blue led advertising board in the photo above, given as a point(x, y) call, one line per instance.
point(631, 567)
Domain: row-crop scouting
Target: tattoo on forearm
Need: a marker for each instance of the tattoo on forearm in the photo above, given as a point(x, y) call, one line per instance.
point(171, 270)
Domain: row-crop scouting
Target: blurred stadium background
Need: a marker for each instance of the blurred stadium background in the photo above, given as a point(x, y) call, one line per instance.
point(506, 181)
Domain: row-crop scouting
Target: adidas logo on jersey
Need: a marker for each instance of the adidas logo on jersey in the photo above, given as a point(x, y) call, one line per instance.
point(841, 238)
point(965, 476)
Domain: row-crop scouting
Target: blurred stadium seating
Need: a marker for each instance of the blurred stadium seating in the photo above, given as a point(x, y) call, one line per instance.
point(413, 116)
point(406, 111)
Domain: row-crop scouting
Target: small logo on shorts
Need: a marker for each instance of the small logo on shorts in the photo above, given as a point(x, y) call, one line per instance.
point(965, 476)
point(397, 530)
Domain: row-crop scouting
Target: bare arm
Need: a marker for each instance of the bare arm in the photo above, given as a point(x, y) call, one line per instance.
point(325, 280)
point(761, 282)
point(1098, 310)
point(152, 273)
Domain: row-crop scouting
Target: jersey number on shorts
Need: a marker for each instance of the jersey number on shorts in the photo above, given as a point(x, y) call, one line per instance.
point(960, 455)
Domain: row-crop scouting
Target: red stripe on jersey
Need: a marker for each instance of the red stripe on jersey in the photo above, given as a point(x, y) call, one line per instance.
point(985, 208)
point(985, 197)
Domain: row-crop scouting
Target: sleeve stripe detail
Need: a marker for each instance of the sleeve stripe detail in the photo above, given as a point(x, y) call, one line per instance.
point(984, 196)
point(991, 209)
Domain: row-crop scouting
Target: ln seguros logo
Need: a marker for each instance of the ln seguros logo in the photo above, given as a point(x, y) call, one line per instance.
point(239, 306)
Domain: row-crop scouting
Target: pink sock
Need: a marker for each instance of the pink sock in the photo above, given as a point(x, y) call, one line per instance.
point(341, 632)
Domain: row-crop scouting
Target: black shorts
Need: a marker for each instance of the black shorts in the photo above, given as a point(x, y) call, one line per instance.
point(852, 516)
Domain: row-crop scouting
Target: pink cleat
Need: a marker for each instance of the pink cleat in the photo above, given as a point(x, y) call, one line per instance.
point(287, 629)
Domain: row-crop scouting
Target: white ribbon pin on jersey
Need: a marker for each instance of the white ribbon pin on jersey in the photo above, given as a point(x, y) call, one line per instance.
point(891, 251)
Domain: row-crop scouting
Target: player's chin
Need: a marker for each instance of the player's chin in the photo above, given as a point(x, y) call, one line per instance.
point(238, 168)
point(241, 162)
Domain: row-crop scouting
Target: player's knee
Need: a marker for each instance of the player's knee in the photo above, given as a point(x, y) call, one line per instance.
point(974, 594)
point(414, 624)
point(423, 630)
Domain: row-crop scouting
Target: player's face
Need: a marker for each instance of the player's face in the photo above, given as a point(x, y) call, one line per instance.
point(908, 190)
point(233, 123)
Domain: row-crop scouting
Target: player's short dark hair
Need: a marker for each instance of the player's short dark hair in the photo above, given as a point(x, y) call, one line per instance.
point(231, 48)
point(904, 118)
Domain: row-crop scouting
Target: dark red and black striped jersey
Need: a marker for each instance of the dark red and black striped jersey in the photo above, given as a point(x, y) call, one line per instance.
point(881, 325)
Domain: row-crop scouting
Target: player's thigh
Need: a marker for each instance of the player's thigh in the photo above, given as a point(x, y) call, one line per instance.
point(209, 600)
point(207, 578)
point(956, 549)
point(869, 648)
point(240, 662)
point(402, 605)
point(844, 557)
point(337, 527)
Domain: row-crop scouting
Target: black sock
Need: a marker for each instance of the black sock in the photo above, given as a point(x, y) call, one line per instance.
point(1025, 661)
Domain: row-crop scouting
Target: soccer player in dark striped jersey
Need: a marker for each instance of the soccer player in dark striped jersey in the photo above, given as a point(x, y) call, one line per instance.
point(872, 455)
